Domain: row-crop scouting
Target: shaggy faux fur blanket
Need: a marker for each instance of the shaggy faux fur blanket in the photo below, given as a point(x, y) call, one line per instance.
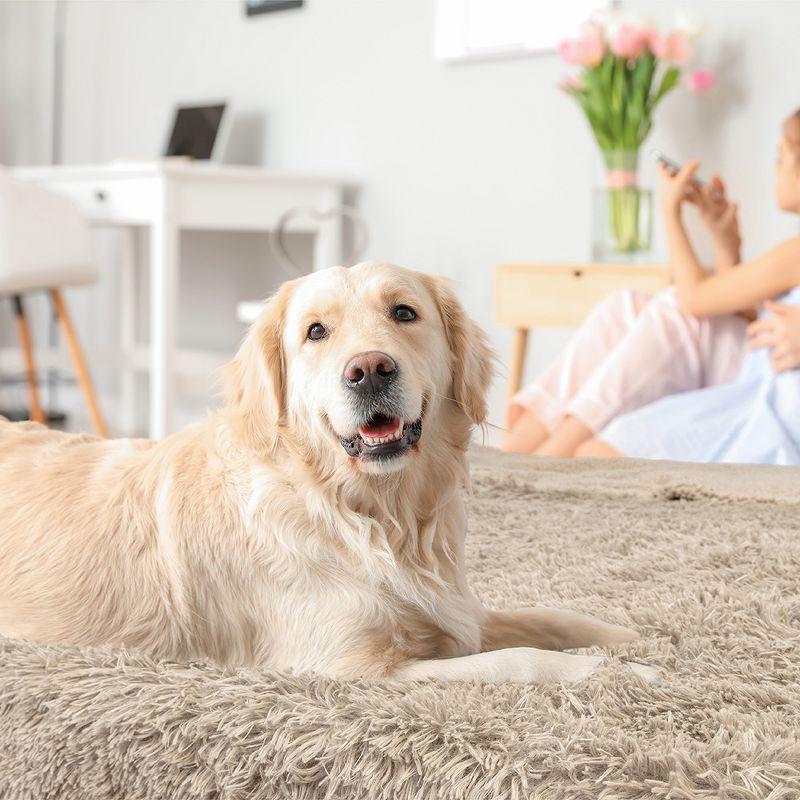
point(704, 561)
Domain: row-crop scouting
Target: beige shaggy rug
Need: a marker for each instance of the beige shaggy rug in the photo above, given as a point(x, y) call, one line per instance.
point(704, 561)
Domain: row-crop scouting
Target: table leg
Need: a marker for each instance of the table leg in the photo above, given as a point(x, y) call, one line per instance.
point(129, 259)
point(164, 278)
point(516, 366)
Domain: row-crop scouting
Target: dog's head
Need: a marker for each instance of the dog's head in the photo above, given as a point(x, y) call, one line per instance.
point(364, 367)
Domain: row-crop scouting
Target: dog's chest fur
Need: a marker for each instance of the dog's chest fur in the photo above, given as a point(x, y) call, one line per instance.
point(356, 597)
point(349, 625)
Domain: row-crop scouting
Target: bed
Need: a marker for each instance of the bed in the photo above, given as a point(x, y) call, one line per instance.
point(703, 560)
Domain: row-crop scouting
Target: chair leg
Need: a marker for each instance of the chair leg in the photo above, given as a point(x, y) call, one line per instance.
point(78, 362)
point(24, 332)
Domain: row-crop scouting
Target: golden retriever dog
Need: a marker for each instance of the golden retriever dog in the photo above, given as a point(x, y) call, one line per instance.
point(314, 523)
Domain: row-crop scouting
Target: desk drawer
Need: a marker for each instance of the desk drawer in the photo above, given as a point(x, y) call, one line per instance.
point(561, 295)
point(132, 200)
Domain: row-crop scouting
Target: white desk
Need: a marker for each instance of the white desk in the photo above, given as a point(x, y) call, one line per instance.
point(170, 196)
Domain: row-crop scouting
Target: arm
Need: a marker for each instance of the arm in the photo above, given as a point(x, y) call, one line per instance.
point(704, 295)
point(725, 258)
point(721, 218)
point(730, 291)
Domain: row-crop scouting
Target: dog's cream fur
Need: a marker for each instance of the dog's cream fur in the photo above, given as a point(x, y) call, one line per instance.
point(253, 538)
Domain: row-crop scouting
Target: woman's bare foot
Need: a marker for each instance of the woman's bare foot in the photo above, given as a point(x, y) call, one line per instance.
point(567, 436)
point(526, 431)
point(594, 448)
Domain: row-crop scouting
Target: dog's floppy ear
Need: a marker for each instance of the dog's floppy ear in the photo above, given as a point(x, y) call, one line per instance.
point(255, 381)
point(472, 356)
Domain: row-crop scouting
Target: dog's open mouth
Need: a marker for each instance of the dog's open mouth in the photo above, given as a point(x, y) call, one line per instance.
point(383, 437)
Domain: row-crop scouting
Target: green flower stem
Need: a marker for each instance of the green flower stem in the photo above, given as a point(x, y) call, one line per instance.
point(618, 96)
point(623, 218)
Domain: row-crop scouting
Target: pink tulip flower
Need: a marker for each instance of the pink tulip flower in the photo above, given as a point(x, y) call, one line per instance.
point(630, 42)
point(700, 81)
point(568, 50)
point(588, 51)
point(592, 46)
point(673, 46)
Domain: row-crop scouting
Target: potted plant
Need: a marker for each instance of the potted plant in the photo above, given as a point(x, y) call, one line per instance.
point(627, 67)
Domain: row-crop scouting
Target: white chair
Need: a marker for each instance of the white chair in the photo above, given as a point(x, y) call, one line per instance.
point(44, 246)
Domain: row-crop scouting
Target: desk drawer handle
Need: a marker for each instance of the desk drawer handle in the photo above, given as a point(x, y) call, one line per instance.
point(577, 273)
point(100, 195)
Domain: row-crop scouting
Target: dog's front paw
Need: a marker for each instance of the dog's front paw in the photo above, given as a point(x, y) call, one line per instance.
point(530, 665)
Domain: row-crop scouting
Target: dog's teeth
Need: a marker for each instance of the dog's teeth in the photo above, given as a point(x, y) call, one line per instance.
point(372, 441)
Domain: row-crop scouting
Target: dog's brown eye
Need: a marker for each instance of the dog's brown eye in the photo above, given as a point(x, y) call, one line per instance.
point(404, 314)
point(316, 332)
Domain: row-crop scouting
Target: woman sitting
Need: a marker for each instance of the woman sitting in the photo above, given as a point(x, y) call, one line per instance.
point(756, 418)
point(635, 349)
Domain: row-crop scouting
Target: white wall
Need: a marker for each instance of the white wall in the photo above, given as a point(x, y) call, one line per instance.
point(460, 166)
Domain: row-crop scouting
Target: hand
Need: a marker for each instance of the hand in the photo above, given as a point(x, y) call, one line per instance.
point(677, 187)
point(781, 332)
point(719, 215)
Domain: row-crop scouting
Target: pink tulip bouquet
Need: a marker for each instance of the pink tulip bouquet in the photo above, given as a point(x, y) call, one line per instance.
point(627, 67)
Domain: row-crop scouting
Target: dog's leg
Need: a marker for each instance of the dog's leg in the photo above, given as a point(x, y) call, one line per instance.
point(513, 664)
point(550, 629)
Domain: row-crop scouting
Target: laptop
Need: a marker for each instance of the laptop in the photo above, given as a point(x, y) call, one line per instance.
point(198, 132)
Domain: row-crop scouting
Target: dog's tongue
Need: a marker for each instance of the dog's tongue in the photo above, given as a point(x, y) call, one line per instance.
point(380, 426)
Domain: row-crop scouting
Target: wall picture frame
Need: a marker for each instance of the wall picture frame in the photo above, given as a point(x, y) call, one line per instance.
point(254, 7)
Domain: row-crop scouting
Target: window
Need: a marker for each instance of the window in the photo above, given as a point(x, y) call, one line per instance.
point(471, 30)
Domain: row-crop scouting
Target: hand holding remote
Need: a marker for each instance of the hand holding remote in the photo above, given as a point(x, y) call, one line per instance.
point(679, 184)
point(720, 216)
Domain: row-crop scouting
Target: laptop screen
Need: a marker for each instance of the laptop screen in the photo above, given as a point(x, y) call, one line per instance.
point(195, 130)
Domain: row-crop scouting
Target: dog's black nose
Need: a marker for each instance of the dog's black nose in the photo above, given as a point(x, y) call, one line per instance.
point(369, 373)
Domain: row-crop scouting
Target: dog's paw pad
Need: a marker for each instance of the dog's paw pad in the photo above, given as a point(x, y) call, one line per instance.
point(647, 672)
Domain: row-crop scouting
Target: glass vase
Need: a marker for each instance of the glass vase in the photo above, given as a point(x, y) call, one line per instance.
point(622, 211)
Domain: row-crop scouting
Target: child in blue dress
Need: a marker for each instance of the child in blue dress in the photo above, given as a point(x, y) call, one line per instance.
point(756, 418)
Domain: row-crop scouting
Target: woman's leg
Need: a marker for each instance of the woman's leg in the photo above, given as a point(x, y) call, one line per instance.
point(594, 448)
point(535, 411)
point(666, 352)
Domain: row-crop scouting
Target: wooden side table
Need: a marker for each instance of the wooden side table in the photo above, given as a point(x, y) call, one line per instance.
point(559, 296)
